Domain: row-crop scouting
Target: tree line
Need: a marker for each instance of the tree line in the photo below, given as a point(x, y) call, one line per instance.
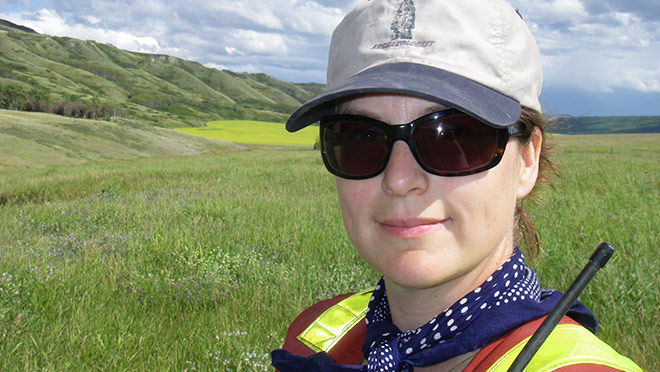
point(15, 96)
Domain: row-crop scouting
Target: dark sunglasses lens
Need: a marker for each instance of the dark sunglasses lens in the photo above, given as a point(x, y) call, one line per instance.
point(455, 144)
point(353, 148)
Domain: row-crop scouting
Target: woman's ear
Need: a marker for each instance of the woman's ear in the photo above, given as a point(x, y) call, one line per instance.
point(529, 165)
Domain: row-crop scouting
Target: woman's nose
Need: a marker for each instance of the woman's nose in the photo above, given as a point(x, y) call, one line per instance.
point(403, 175)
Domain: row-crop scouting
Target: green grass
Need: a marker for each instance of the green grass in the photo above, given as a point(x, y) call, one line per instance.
point(254, 132)
point(200, 262)
point(608, 190)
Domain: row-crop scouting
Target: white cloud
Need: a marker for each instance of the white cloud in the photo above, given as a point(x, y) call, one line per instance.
point(216, 66)
point(560, 10)
point(313, 18)
point(48, 22)
point(253, 42)
point(246, 68)
point(92, 20)
point(594, 47)
point(248, 11)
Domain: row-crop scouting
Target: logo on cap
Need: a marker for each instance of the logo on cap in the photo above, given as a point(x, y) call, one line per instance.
point(404, 21)
point(402, 27)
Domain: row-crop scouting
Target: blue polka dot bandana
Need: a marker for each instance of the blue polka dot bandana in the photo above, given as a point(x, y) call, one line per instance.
point(510, 297)
point(388, 349)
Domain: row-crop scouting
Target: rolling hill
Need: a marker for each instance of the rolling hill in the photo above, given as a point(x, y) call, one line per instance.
point(88, 79)
point(607, 124)
point(158, 89)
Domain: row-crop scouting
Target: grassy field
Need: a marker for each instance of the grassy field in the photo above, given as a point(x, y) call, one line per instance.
point(254, 132)
point(37, 140)
point(199, 262)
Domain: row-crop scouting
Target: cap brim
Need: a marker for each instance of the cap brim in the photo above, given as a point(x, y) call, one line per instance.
point(484, 103)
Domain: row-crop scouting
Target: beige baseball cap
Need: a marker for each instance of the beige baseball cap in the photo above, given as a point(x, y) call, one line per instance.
point(477, 56)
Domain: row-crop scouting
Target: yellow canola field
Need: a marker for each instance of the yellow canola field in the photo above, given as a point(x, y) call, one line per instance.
point(254, 132)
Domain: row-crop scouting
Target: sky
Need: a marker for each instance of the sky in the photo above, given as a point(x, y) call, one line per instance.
point(600, 57)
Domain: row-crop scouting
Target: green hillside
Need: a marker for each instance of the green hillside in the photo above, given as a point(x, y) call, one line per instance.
point(85, 78)
point(607, 124)
point(36, 140)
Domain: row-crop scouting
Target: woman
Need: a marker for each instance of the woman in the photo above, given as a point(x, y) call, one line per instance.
point(434, 134)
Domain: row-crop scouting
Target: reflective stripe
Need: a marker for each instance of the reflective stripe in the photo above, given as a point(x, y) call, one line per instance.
point(331, 326)
point(568, 344)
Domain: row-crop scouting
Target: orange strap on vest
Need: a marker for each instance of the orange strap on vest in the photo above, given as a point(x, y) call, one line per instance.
point(336, 326)
point(347, 350)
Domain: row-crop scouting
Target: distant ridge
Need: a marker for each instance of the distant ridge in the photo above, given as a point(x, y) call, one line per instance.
point(6, 23)
point(80, 78)
point(606, 124)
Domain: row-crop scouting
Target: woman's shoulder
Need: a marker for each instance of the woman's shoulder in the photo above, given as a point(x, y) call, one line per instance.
point(335, 326)
point(303, 320)
point(569, 348)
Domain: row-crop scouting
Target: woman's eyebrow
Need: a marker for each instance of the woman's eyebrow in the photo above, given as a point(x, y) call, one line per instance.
point(360, 112)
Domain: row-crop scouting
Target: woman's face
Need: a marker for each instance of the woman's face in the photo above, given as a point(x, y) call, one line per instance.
point(423, 231)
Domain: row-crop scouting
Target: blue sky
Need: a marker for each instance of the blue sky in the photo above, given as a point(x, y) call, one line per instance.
point(601, 57)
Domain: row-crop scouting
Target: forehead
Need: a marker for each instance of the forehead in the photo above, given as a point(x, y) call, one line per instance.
point(389, 108)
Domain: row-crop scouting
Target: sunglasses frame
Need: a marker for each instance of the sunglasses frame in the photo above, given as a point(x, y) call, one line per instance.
point(404, 132)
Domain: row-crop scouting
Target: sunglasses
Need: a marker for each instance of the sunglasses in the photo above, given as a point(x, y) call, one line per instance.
point(445, 143)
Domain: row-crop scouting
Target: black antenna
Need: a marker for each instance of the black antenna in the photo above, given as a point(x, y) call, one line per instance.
point(596, 262)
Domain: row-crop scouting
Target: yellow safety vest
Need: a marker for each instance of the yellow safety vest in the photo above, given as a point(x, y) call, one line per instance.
point(568, 344)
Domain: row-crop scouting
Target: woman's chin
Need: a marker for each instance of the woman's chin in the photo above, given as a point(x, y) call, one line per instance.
point(420, 273)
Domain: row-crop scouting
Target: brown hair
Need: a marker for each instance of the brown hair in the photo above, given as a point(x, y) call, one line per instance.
point(526, 235)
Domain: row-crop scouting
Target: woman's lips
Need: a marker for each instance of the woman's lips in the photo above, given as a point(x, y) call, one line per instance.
point(410, 228)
